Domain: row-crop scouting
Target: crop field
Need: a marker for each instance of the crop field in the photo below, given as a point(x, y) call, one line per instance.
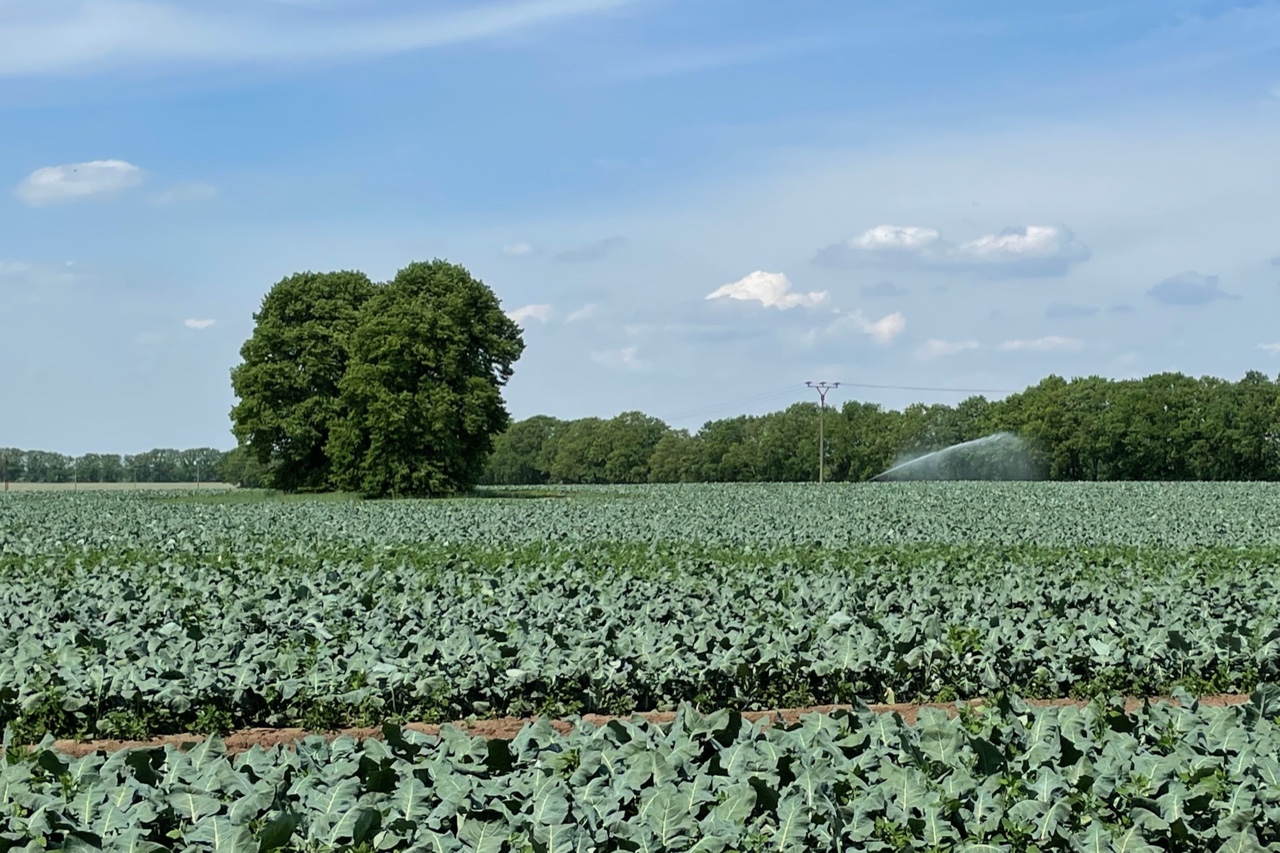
point(131, 615)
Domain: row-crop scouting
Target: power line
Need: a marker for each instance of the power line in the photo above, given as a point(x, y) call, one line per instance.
point(922, 388)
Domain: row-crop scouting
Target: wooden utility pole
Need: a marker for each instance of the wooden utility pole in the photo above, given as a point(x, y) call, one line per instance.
point(822, 388)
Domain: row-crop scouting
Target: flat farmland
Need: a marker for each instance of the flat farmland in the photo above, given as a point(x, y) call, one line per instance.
point(133, 615)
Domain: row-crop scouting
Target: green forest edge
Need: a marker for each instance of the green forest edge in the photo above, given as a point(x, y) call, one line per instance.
point(1167, 426)
point(139, 720)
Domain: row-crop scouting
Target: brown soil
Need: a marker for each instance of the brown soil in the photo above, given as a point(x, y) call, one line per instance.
point(508, 727)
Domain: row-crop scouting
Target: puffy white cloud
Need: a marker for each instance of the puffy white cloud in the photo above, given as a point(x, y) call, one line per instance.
point(938, 348)
point(586, 312)
point(770, 289)
point(73, 181)
point(896, 237)
point(1015, 243)
point(198, 324)
point(517, 250)
point(539, 312)
point(1046, 344)
point(882, 331)
point(1032, 250)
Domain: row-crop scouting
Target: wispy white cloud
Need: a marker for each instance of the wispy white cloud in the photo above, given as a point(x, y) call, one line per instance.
point(28, 280)
point(938, 348)
point(770, 289)
point(76, 181)
point(540, 312)
point(884, 288)
point(148, 339)
point(517, 250)
point(1189, 288)
point(84, 35)
point(592, 251)
point(586, 312)
point(1274, 349)
point(627, 357)
point(13, 269)
point(691, 59)
point(1046, 344)
point(1033, 250)
point(1068, 311)
point(183, 193)
point(198, 324)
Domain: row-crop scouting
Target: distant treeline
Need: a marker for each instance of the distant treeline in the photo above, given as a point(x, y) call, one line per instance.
point(1164, 427)
point(202, 464)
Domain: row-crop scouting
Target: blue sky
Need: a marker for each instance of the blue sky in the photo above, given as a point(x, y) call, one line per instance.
point(692, 207)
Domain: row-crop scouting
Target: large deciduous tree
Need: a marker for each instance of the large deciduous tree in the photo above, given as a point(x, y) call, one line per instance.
point(420, 399)
point(293, 364)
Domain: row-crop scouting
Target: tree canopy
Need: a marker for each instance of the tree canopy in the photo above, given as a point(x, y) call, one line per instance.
point(287, 384)
point(382, 389)
point(1163, 427)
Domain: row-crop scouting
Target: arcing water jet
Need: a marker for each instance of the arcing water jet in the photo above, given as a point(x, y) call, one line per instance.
point(1000, 456)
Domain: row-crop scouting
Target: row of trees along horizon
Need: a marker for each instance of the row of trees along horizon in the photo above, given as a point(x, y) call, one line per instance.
point(1163, 427)
point(395, 389)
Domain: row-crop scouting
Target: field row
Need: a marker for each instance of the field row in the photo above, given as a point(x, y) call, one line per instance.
point(1068, 515)
point(1003, 778)
point(177, 644)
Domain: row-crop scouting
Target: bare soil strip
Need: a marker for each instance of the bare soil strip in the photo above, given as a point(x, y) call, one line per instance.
point(508, 727)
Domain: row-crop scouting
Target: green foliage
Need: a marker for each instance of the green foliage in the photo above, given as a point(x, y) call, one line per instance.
point(518, 453)
point(131, 615)
point(162, 465)
point(287, 384)
point(421, 398)
point(1007, 777)
point(1163, 427)
point(240, 467)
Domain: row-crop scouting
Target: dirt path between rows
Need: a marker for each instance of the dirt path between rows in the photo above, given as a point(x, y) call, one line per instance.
point(508, 727)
